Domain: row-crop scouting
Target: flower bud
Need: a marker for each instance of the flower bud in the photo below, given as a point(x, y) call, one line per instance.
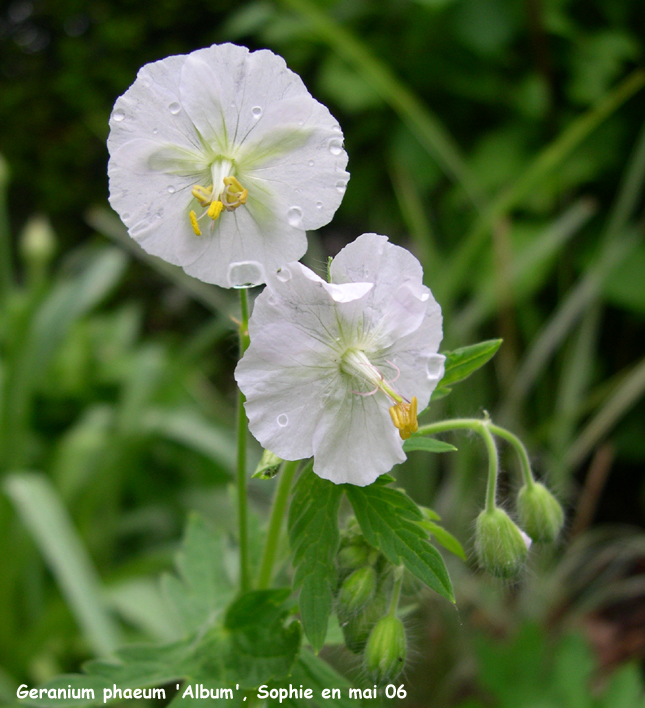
point(267, 466)
point(501, 546)
point(540, 513)
point(352, 557)
point(357, 590)
point(38, 241)
point(386, 649)
point(356, 628)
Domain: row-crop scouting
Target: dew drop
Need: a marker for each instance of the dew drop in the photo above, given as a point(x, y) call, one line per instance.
point(174, 108)
point(311, 163)
point(336, 128)
point(257, 112)
point(283, 274)
point(335, 146)
point(434, 367)
point(118, 115)
point(319, 205)
point(294, 216)
point(155, 131)
point(171, 189)
point(282, 420)
point(125, 215)
point(341, 186)
point(245, 274)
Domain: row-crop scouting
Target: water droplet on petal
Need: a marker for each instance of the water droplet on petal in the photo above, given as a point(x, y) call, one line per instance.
point(282, 420)
point(336, 128)
point(125, 215)
point(245, 274)
point(155, 131)
point(341, 186)
point(283, 274)
point(294, 217)
point(257, 111)
point(311, 163)
point(319, 205)
point(171, 189)
point(434, 367)
point(335, 146)
point(118, 115)
point(174, 108)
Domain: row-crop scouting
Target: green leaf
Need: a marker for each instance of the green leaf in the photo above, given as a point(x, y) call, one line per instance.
point(427, 445)
point(390, 520)
point(202, 589)
point(51, 528)
point(445, 538)
point(461, 363)
point(254, 646)
point(311, 671)
point(314, 539)
point(440, 392)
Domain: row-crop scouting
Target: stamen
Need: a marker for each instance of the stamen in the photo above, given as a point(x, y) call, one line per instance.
point(204, 195)
point(214, 210)
point(194, 224)
point(234, 195)
point(404, 417)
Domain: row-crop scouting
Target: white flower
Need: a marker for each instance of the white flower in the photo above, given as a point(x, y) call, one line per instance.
point(335, 368)
point(220, 160)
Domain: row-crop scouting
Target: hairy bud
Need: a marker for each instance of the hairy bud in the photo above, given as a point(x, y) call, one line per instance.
point(386, 650)
point(357, 590)
point(540, 513)
point(501, 546)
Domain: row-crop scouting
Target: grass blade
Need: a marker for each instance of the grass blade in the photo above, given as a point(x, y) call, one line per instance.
point(548, 160)
point(420, 120)
point(43, 513)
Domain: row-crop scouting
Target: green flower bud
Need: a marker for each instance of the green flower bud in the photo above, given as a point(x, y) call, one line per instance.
point(357, 590)
point(501, 546)
point(352, 557)
point(356, 628)
point(38, 241)
point(386, 649)
point(267, 466)
point(540, 513)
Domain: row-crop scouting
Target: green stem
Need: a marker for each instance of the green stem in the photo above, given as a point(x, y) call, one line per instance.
point(493, 467)
point(245, 583)
point(520, 449)
point(278, 509)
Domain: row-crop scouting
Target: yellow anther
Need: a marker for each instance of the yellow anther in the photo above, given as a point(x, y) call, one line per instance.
point(214, 210)
point(194, 224)
point(204, 195)
point(234, 195)
point(404, 417)
point(233, 184)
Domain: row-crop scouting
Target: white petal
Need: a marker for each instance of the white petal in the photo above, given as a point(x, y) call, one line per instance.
point(149, 109)
point(237, 243)
point(286, 375)
point(355, 441)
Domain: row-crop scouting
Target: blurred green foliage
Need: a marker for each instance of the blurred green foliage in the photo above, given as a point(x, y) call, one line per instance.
point(501, 140)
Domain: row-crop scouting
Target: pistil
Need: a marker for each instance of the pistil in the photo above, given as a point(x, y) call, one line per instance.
point(403, 412)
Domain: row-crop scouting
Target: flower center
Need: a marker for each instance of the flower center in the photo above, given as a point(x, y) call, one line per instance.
point(354, 362)
point(230, 196)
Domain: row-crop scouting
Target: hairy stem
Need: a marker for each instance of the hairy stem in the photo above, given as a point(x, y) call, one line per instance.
point(243, 536)
point(278, 509)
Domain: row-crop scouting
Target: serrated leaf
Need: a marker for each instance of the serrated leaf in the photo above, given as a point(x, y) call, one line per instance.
point(314, 540)
point(445, 538)
point(254, 647)
point(202, 589)
point(461, 363)
point(311, 671)
point(427, 445)
point(261, 646)
point(390, 520)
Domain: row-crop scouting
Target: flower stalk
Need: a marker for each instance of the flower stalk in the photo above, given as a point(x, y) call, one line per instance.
point(243, 536)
